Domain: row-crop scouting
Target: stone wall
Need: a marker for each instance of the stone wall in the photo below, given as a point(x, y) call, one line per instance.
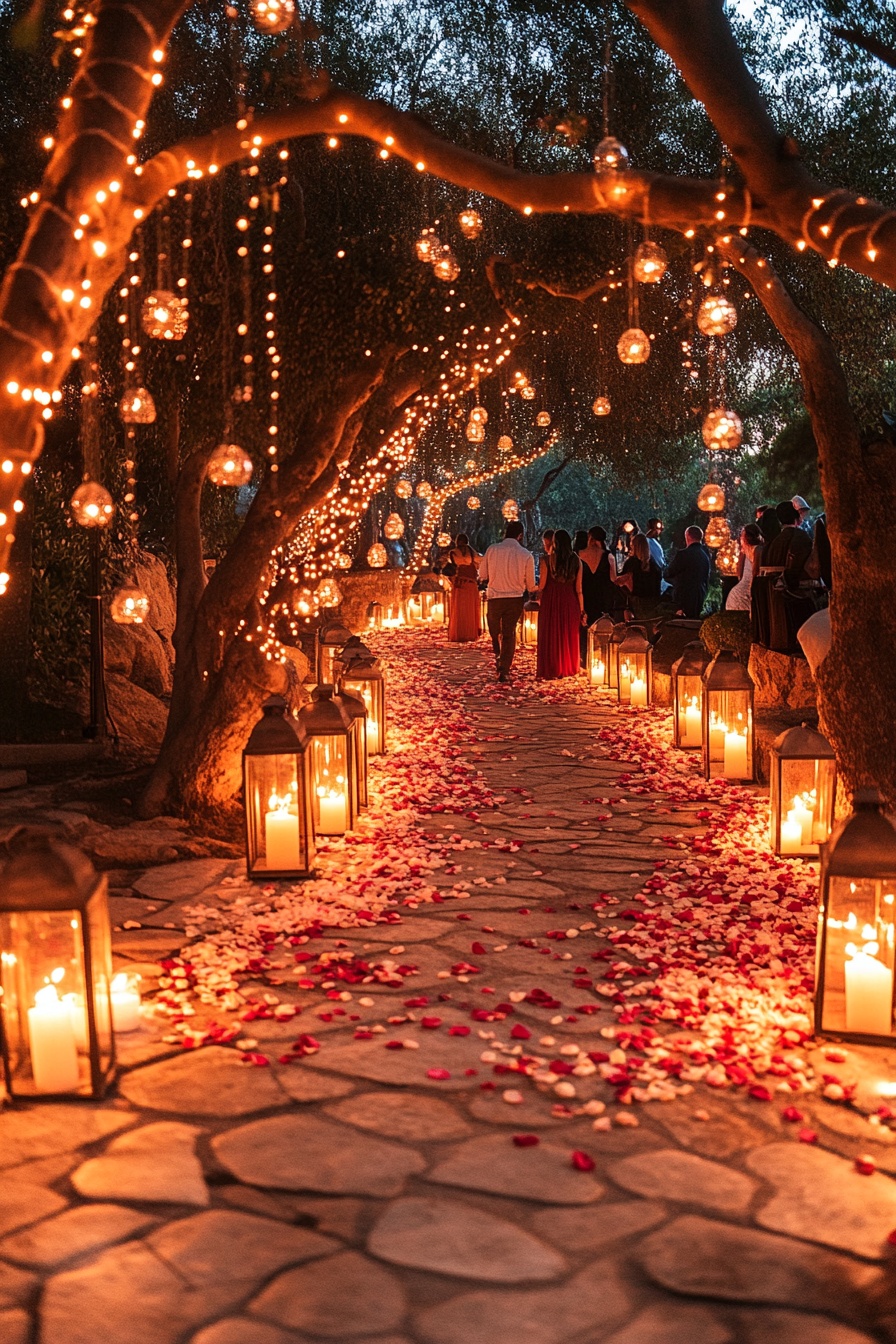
point(361, 588)
point(781, 682)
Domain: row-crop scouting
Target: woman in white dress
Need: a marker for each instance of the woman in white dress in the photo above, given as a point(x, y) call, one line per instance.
point(751, 540)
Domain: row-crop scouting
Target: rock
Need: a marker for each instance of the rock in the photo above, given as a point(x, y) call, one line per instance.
point(301, 1084)
point(793, 1327)
point(210, 1081)
point(240, 1330)
point(447, 1237)
point(670, 1174)
point(43, 1131)
point(402, 1116)
point(139, 717)
point(134, 847)
point(232, 1246)
point(138, 653)
point(13, 779)
point(178, 881)
point(368, 1059)
point(705, 1258)
point(156, 1165)
point(591, 1229)
point(292, 1152)
point(151, 575)
point(674, 1323)
point(495, 1164)
point(781, 681)
point(822, 1197)
point(597, 1296)
point(24, 1203)
point(366, 586)
point(340, 1298)
point(15, 1327)
point(73, 1233)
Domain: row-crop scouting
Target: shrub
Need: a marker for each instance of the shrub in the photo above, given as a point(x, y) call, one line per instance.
point(728, 630)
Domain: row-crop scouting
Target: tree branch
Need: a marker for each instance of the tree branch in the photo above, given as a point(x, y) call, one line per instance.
point(867, 42)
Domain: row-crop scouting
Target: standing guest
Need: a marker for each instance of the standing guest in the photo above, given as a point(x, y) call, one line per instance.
point(788, 552)
point(819, 565)
point(688, 571)
point(509, 570)
point(561, 611)
point(751, 542)
point(767, 521)
point(598, 576)
point(644, 577)
point(463, 624)
point(580, 540)
point(804, 512)
point(654, 540)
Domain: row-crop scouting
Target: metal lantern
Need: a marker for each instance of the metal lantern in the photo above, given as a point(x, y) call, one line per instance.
point(377, 556)
point(424, 490)
point(529, 624)
point(426, 602)
point(137, 407)
point(633, 346)
point(394, 617)
point(363, 678)
point(803, 791)
point(375, 616)
point(331, 747)
point(445, 265)
point(356, 713)
point(165, 316)
point(403, 488)
point(543, 419)
point(635, 680)
point(711, 498)
point(475, 431)
point(92, 505)
point(716, 315)
point(510, 510)
point(230, 464)
point(427, 245)
point(393, 527)
point(723, 430)
point(129, 606)
point(527, 392)
point(649, 262)
point(601, 406)
point(354, 647)
point(342, 560)
point(620, 630)
point(474, 503)
point(854, 979)
point(56, 1027)
point(727, 719)
point(717, 532)
point(687, 696)
point(483, 609)
point(505, 444)
point(470, 223)
point(331, 637)
point(610, 156)
point(272, 16)
point(277, 796)
point(598, 659)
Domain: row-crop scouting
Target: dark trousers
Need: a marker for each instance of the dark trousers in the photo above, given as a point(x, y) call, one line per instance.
point(502, 614)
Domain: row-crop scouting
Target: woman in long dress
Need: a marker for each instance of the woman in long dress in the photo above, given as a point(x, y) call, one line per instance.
point(463, 624)
point(644, 577)
point(561, 611)
point(740, 597)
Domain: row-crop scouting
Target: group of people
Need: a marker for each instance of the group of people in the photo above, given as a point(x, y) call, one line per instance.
point(785, 544)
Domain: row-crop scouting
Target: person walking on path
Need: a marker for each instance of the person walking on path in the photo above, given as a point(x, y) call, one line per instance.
point(688, 571)
point(561, 612)
point(509, 570)
point(463, 625)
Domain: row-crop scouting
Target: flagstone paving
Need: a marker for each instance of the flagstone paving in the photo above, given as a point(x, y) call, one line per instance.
point(396, 1181)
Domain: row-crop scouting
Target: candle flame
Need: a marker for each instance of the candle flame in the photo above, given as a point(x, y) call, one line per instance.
point(279, 805)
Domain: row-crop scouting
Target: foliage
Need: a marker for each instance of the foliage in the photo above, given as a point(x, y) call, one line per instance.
point(728, 630)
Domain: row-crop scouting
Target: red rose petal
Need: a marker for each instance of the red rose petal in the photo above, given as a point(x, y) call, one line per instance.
point(865, 1165)
point(520, 1033)
point(582, 1161)
point(526, 1140)
point(807, 1135)
point(439, 1075)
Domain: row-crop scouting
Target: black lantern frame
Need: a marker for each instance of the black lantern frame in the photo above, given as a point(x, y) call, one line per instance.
point(620, 630)
point(635, 675)
point(277, 796)
point(356, 711)
point(728, 745)
point(363, 678)
point(687, 696)
point(803, 774)
point(425, 603)
point(598, 652)
point(331, 637)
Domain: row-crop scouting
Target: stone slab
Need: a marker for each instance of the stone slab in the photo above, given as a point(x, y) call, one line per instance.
point(494, 1164)
point(674, 1323)
point(588, 1230)
point(292, 1152)
point(16, 1286)
point(42, 1131)
point(767, 1326)
point(668, 1173)
point(22, 1203)
point(230, 1245)
point(447, 1237)
point(73, 1233)
point(241, 1330)
point(403, 1116)
point(210, 1081)
point(176, 881)
point(401, 1068)
point(344, 1297)
point(15, 1327)
point(156, 1164)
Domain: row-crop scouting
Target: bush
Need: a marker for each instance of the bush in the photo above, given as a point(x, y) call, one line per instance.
point(728, 630)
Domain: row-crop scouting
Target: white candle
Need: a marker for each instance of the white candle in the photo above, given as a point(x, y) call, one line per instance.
point(125, 1003)
point(54, 1051)
point(639, 692)
point(281, 836)
point(791, 835)
point(598, 672)
point(373, 734)
point(693, 724)
point(717, 733)
point(333, 809)
point(869, 995)
point(79, 1019)
point(624, 682)
point(799, 812)
point(735, 760)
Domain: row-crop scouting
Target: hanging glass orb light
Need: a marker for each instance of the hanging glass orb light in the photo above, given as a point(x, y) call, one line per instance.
point(474, 502)
point(475, 431)
point(444, 539)
point(342, 561)
point(505, 444)
point(601, 406)
point(445, 266)
point(129, 606)
point(611, 156)
point(137, 407)
point(303, 602)
point(328, 593)
point(272, 16)
point(527, 392)
point(727, 557)
point(165, 316)
point(717, 532)
point(649, 262)
point(393, 527)
point(424, 490)
point(510, 510)
point(427, 245)
point(470, 464)
point(723, 430)
point(543, 418)
point(633, 346)
point(711, 498)
point(716, 315)
point(403, 489)
point(377, 558)
point(470, 223)
point(480, 414)
point(229, 464)
point(92, 505)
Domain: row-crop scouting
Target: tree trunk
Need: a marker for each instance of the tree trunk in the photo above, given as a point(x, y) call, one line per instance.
point(15, 635)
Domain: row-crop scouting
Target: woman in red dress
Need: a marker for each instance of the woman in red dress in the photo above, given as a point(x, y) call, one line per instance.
point(561, 611)
point(463, 624)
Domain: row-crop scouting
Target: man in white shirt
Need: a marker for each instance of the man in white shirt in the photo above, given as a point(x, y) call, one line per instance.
point(510, 570)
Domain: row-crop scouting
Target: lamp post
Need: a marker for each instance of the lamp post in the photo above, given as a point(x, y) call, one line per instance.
point(687, 696)
point(803, 792)
point(277, 796)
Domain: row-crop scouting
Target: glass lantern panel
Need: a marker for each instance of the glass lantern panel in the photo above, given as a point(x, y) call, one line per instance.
point(802, 805)
point(328, 655)
point(730, 724)
point(332, 784)
point(613, 663)
point(639, 680)
point(359, 760)
point(372, 694)
point(45, 1018)
point(689, 712)
point(530, 629)
point(598, 659)
point(857, 945)
point(277, 821)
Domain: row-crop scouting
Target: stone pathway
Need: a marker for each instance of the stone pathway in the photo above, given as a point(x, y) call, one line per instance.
point(400, 1181)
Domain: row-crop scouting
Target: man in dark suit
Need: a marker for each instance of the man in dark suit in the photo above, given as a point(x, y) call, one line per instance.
point(791, 548)
point(688, 572)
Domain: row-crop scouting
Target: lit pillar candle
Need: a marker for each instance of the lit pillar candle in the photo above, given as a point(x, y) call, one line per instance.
point(79, 1019)
point(735, 761)
point(125, 1002)
point(717, 732)
point(638, 694)
point(869, 995)
point(599, 672)
point(281, 835)
point(373, 734)
point(624, 682)
point(332, 805)
point(693, 724)
point(54, 1051)
point(799, 812)
point(791, 835)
